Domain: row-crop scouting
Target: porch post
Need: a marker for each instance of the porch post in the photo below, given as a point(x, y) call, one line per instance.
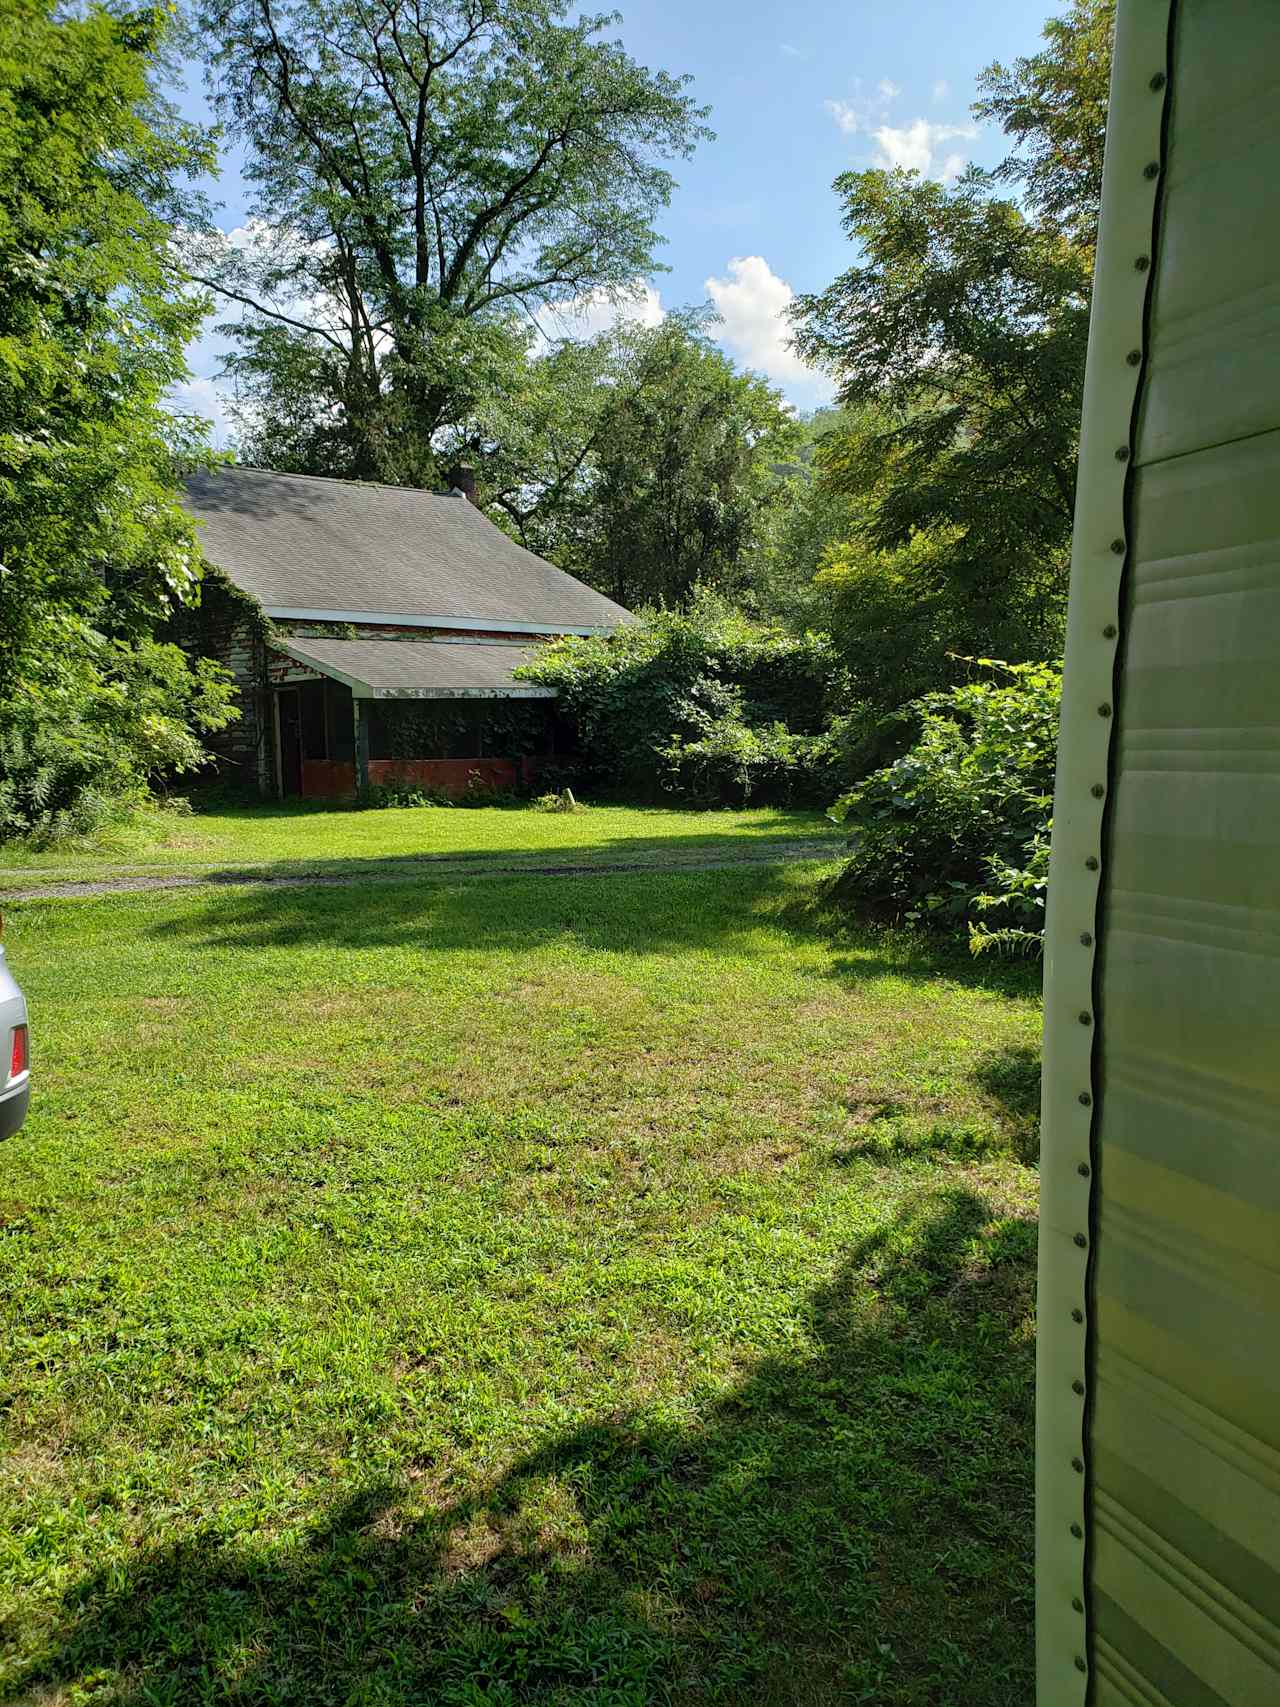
point(361, 744)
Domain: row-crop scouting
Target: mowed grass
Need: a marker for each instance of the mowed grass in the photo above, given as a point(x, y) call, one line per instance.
point(608, 1289)
point(289, 837)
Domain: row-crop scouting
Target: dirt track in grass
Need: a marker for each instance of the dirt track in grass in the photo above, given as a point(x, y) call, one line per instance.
point(408, 871)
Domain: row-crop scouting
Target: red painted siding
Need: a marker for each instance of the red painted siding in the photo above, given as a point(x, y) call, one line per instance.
point(328, 779)
point(331, 779)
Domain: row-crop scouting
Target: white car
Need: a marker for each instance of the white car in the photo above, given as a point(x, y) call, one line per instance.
point(15, 1053)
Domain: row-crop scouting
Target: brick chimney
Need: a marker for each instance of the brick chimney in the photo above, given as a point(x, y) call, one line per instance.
point(463, 479)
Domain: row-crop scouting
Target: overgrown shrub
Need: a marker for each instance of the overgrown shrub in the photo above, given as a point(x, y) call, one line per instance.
point(95, 725)
point(955, 832)
point(705, 705)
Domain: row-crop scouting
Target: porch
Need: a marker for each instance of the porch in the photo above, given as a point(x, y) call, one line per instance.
point(443, 715)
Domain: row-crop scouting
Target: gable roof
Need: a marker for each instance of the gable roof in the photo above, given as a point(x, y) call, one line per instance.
point(307, 547)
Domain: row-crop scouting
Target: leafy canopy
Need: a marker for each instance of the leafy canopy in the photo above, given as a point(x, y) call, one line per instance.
point(956, 830)
point(428, 176)
point(702, 704)
point(965, 322)
point(94, 552)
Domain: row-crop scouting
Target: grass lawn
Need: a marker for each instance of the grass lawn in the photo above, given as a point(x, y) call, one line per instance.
point(555, 1290)
point(292, 837)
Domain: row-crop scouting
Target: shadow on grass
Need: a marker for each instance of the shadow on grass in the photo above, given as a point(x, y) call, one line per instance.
point(641, 911)
point(849, 1524)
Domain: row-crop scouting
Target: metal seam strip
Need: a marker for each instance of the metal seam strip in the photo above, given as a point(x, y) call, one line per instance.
point(1133, 175)
point(1097, 1057)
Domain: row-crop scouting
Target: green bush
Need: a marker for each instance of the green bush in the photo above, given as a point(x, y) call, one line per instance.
point(955, 832)
point(704, 705)
point(97, 723)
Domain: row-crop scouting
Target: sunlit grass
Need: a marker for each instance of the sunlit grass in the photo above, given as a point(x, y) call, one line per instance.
point(282, 838)
point(544, 1290)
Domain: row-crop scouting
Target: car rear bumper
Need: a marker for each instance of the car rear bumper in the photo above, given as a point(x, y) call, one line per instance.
point(13, 1110)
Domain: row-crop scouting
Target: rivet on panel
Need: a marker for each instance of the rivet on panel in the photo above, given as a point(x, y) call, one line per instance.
point(1142, 262)
point(1097, 791)
point(1082, 1168)
point(1104, 710)
point(1117, 545)
point(1158, 81)
point(1077, 1531)
point(1084, 1099)
point(1080, 1240)
point(1122, 453)
point(1086, 1019)
point(1151, 169)
point(1077, 1605)
point(1077, 1387)
point(1091, 864)
point(1080, 1663)
point(1110, 631)
point(1078, 1316)
point(1086, 939)
point(1134, 358)
point(1077, 1464)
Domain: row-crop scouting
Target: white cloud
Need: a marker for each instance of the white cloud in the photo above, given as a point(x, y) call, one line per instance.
point(917, 146)
point(846, 115)
point(912, 147)
point(941, 89)
point(791, 51)
point(863, 111)
point(752, 302)
point(599, 310)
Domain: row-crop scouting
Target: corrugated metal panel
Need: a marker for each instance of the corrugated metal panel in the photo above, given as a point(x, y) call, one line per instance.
point(1168, 1097)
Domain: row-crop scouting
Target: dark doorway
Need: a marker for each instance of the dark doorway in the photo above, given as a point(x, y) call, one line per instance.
point(290, 712)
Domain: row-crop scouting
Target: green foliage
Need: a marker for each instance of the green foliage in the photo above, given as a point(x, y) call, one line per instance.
point(954, 833)
point(639, 460)
point(92, 330)
point(964, 324)
point(427, 179)
point(1054, 105)
point(563, 801)
point(88, 730)
point(705, 705)
point(680, 468)
point(94, 552)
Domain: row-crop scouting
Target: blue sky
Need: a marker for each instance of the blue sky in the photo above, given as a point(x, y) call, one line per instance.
point(797, 94)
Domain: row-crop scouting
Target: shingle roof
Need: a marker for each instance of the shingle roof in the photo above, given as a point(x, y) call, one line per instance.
point(307, 546)
point(419, 669)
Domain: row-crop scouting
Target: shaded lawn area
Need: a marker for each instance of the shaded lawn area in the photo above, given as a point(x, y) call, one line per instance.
point(530, 1291)
point(296, 837)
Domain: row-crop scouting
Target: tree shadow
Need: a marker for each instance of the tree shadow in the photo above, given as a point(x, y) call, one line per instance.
point(601, 908)
point(850, 1523)
point(1011, 1076)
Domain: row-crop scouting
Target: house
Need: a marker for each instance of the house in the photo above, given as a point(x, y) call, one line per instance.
point(373, 632)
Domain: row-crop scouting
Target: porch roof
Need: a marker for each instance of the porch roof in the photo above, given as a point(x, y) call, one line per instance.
point(419, 669)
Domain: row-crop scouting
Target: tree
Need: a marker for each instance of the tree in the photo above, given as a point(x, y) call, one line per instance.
point(429, 174)
point(681, 467)
point(805, 517)
point(95, 551)
point(966, 321)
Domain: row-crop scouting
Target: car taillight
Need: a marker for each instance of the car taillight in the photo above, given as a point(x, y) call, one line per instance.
point(20, 1054)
